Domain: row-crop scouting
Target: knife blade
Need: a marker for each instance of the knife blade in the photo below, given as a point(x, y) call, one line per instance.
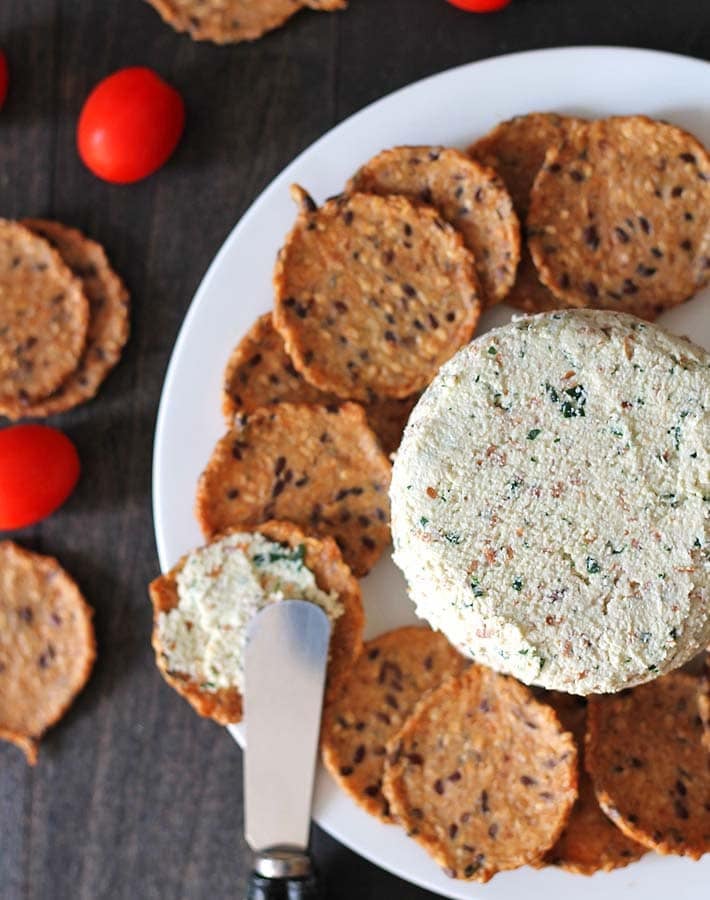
point(285, 668)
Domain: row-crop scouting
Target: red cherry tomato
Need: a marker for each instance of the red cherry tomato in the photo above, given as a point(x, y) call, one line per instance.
point(129, 125)
point(39, 468)
point(480, 6)
point(4, 78)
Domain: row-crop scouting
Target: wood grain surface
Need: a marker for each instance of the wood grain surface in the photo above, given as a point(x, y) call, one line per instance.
point(134, 796)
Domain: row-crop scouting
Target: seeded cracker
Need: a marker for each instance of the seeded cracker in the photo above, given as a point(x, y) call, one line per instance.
point(704, 702)
point(469, 196)
point(323, 558)
point(497, 790)
point(319, 467)
point(620, 216)
point(260, 372)
point(108, 316)
point(47, 645)
point(590, 842)
point(373, 294)
point(43, 318)
point(231, 21)
point(516, 150)
point(391, 675)
point(650, 771)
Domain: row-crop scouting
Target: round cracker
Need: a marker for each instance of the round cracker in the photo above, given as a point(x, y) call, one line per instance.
point(47, 645)
point(496, 792)
point(468, 195)
point(108, 317)
point(650, 771)
point(620, 216)
point(390, 676)
point(323, 558)
point(373, 294)
point(44, 315)
point(231, 21)
point(319, 467)
point(516, 150)
point(590, 841)
point(260, 373)
point(704, 702)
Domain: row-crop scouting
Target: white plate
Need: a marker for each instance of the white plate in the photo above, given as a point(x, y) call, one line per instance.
point(451, 108)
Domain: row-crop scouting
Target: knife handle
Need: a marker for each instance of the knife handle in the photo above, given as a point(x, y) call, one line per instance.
point(283, 873)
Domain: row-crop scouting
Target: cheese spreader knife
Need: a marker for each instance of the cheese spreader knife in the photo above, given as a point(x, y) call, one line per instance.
point(285, 667)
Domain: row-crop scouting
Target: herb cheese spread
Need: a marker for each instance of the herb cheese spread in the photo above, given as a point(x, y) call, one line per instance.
point(220, 588)
point(550, 501)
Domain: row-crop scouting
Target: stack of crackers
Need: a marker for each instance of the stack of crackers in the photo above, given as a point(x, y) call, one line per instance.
point(488, 775)
point(374, 290)
point(65, 318)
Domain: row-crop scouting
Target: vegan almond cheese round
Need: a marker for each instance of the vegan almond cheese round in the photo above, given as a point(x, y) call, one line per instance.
point(550, 501)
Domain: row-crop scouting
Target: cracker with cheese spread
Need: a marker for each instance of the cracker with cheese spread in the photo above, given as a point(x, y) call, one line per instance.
point(202, 608)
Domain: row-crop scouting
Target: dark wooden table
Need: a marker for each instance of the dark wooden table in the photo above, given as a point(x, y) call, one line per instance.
point(134, 795)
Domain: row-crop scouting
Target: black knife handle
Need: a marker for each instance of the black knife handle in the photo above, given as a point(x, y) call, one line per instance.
point(283, 873)
point(261, 888)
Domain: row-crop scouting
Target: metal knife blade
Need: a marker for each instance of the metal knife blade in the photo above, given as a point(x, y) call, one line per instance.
point(285, 667)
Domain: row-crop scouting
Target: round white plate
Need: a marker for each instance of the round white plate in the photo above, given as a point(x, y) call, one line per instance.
point(452, 108)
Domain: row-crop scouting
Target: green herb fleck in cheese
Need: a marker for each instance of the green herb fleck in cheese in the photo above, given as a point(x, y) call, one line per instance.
point(584, 567)
point(220, 588)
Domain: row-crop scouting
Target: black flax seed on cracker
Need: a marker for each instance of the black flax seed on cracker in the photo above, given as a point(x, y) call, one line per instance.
point(320, 467)
point(469, 196)
point(393, 672)
point(620, 216)
point(373, 294)
point(482, 775)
